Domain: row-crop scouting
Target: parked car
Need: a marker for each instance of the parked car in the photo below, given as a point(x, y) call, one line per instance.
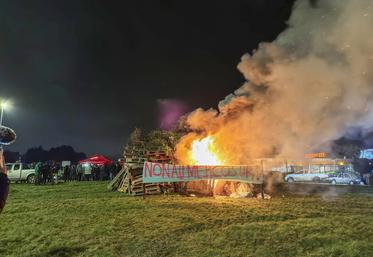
point(20, 172)
point(305, 176)
point(344, 178)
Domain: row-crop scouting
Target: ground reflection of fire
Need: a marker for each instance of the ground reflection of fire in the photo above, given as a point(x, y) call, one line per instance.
point(204, 152)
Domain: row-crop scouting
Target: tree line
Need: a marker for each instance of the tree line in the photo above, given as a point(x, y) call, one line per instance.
point(39, 154)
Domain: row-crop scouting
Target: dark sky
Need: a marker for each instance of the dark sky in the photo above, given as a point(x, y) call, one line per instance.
point(85, 73)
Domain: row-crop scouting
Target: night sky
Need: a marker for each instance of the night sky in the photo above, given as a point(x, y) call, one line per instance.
point(85, 73)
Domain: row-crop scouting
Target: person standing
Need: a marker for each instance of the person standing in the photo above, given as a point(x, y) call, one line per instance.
point(72, 173)
point(87, 172)
point(66, 173)
point(79, 172)
point(4, 182)
point(44, 173)
point(102, 172)
point(38, 171)
point(93, 171)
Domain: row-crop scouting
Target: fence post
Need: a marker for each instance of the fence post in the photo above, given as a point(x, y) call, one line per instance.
point(143, 190)
point(262, 185)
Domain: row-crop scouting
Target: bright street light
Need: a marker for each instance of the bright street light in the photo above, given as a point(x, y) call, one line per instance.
point(3, 105)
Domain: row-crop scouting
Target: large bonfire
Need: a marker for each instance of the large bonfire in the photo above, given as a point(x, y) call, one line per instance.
point(310, 86)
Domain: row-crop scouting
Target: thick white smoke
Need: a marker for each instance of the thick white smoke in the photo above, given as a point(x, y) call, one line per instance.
point(304, 89)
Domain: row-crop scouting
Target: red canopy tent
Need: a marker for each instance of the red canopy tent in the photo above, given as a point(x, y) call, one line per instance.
point(97, 159)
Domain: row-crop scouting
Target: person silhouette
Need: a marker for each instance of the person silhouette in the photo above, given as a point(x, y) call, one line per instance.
point(4, 182)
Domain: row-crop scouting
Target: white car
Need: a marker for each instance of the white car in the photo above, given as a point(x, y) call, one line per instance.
point(344, 178)
point(20, 172)
point(305, 177)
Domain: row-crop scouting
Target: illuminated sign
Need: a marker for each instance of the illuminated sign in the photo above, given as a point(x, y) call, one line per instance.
point(316, 155)
point(366, 154)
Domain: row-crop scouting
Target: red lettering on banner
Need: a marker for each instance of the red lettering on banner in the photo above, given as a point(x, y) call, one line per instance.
point(206, 171)
point(180, 174)
point(224, 172)
point(149, 169)
point(166, 170)
point(161, 173)
point(196, 170)
point(212, 172)
point(178, 170)
point(198, 173)
point(174, 171)
point(191, 170)
point(171, 172)
point(202, 172)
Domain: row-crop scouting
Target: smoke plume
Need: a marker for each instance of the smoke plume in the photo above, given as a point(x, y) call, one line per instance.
point(307, 87)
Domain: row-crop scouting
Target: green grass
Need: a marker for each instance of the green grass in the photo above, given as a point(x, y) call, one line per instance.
point(83, 219)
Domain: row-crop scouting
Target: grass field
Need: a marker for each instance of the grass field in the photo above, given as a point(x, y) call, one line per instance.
point(83, 219)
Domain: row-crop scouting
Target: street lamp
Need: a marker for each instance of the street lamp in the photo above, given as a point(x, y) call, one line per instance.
point(3, 105)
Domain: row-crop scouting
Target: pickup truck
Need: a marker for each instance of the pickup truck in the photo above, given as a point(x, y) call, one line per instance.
point(20, 172)
point(304, 176)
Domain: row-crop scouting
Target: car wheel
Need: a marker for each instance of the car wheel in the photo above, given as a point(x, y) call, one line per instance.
point(31, 179)
point(334, 182)
point(316, 179)
point(290, 180)
point(362, 183)
point(351, 183)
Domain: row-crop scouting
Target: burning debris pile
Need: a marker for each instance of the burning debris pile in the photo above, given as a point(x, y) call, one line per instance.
point(148, 173)
point(308, 87)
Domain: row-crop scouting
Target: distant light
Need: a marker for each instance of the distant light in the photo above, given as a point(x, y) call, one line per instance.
point(5, 105)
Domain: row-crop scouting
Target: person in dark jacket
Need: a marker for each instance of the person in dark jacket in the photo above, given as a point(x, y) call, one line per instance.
point(4, 183)
point(66, 173)
point(72, 173)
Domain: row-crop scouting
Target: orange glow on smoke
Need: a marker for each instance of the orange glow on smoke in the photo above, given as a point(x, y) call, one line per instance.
point(204, 152)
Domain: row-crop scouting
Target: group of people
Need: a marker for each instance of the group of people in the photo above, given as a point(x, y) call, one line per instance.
point(90, 172)
point(45, 171)
point(49, 172)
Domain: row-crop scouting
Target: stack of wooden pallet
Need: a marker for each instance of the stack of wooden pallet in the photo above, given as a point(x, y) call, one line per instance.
point(134, 155)
point(158, 156)
point(129, 180)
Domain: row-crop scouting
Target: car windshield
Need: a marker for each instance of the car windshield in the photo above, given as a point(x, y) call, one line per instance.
point(353, 176)
point(9, 166)
point(299, 172)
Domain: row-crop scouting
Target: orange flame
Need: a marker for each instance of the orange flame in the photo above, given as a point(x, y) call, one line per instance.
point(204, 152)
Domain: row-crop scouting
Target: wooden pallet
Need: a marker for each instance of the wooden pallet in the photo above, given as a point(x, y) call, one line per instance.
point(114, 184)
point(131, 181)
point(124, 185)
